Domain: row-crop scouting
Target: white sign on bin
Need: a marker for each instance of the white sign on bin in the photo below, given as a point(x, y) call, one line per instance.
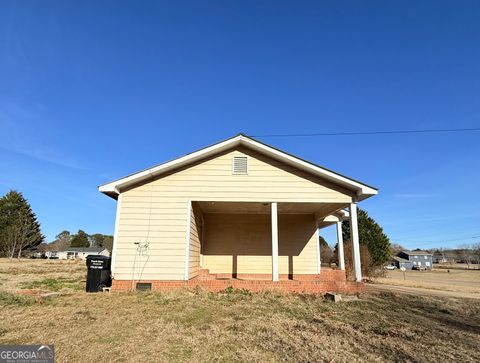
point(96, 264)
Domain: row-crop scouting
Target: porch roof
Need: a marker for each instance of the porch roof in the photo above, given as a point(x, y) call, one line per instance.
point(325, 213)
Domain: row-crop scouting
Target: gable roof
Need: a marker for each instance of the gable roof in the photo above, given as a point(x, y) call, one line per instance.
point(114, 188)
point(399, 259)
point(419, 253)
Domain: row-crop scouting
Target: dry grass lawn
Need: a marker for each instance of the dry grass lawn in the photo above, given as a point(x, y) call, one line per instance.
point(438, 279)
point(196, 326)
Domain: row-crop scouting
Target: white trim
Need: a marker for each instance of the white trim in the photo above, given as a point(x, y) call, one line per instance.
point(187, 240)
point(362, 191)
point(115, 235)
point(343, 214)
point(234, 200)
point(331, 219)
point(115, 185)
point(274, 213)
point(341, 254)
point(361, 188)
point(319, 257)
point(357, 268)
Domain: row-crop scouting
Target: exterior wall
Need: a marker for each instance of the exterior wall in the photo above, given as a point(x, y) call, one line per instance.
point(157, 211)
point(422, 261)
point(195, 238)
point(242, 244)
point(407, 265)
point(61, 255)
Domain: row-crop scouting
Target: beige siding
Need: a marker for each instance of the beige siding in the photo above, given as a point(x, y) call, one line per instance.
point(157, 211)
point(242, 243)
point(195, 237)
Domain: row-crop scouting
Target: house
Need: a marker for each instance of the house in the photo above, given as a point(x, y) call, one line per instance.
point(80, 252)
point(237, 213)
point(399, 262)
point(50, 254)
point(417, 259)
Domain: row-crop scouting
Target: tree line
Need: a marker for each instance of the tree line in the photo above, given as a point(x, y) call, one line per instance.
point(20, 231)
point(65, 239)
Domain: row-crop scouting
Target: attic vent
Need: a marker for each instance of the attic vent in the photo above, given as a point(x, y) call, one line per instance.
point(240, 165)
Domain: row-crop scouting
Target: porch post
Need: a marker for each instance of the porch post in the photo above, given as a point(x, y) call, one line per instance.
point(357, 268)
point(202, 237)
point(341, 257)
point(115, 234)
point(274, 242)
point(319, 260)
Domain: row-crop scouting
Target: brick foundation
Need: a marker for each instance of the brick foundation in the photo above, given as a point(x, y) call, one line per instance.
point(327, 281)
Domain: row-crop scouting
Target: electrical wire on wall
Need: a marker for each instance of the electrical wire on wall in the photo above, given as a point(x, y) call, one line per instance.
point(142, 248)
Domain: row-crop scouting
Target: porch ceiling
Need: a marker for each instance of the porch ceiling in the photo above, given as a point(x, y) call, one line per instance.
point(319, 209)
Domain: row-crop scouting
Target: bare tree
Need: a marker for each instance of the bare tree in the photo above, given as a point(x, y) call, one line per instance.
point(465, 254)
point(396, 248)
point(476, 253)
point(62, 241)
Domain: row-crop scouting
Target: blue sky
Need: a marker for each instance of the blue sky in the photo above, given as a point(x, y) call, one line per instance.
point(91, 91)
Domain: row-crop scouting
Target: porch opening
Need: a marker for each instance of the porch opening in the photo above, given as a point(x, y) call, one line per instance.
point(235, 238)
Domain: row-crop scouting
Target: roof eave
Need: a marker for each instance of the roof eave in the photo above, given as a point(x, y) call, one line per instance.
point(114, 188)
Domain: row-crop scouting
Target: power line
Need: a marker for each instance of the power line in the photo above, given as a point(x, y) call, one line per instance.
point(440, 241)
point(391, 132)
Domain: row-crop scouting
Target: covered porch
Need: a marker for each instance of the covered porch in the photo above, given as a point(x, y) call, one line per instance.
point(265, 241)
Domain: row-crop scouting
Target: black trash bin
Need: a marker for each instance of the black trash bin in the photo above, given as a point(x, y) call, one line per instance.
point(98, 275)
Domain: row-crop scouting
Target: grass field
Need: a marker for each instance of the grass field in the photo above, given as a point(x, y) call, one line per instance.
point(461, 281)
point(196, 326)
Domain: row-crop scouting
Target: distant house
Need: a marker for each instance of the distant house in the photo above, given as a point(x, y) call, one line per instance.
point(50, 254)
point(81, 252)
point(416, 259)
point(400, 262)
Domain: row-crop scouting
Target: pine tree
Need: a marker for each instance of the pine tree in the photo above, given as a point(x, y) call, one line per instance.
point(81, 239)
point(19, 228)
point(370, 234)
point(322, 241)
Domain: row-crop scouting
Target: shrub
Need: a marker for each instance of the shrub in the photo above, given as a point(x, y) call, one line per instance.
point(369, 268)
